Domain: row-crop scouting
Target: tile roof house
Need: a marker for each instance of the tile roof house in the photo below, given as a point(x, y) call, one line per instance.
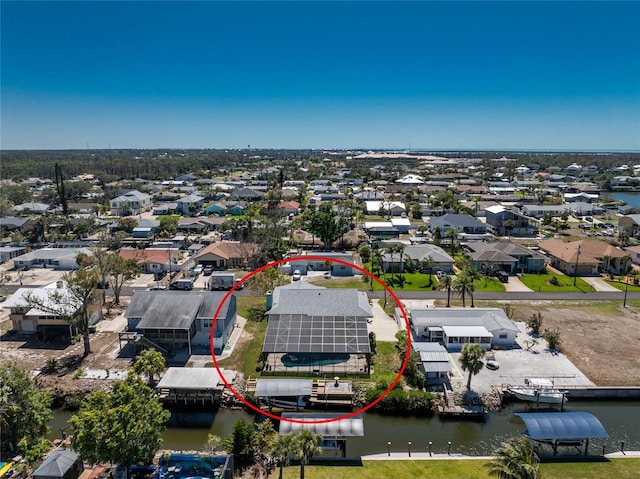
point(419, 252)
point(505, 256)
point(158, 260)
point(586, 257)
point(229, 254)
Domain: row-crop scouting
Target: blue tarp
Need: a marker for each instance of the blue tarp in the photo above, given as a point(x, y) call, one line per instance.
point(562, 426)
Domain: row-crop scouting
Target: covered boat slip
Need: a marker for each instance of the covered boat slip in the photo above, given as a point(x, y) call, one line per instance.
point(334, 433)
point(193, 385)
point(299, 393)
point(573, 429)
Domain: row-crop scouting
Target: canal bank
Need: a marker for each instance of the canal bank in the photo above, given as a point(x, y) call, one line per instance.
point(477, 437)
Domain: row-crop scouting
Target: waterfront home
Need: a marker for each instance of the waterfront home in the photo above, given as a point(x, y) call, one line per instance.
point(44, 324)
point(455, 327)
point(178, 319)
point(630, 224)
point(434, 360)
point(420, 252)
point(313, 330)
point(61, 464)
point(498, 215)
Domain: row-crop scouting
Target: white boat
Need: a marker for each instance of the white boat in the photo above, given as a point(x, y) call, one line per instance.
point(539, 390)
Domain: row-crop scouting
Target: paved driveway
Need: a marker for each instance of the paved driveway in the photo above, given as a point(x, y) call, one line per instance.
point(515, 284)
point(382, 324)
point(600, 284)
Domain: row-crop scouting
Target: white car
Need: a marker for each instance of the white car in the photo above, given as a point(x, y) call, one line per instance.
point(198, 269)
point(296, 275)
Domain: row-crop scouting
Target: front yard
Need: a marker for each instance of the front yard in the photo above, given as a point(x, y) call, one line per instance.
point(554, 282)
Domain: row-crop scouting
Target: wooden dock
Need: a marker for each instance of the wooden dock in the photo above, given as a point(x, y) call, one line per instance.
point(450, 408)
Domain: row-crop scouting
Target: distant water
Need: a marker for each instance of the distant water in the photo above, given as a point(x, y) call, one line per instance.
point(632, 199)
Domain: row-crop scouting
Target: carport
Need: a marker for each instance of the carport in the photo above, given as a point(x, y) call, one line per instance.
point(572, 429)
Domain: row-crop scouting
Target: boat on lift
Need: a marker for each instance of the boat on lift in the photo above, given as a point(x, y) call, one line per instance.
point(539, 391)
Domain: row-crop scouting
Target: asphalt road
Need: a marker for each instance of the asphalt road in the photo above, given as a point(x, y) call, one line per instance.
point(440, 295)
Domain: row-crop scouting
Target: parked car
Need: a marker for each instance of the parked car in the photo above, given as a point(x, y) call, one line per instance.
point(183, 284)
point(207, 270)
point(296, 275)
point(198, 269)
point(157, 288)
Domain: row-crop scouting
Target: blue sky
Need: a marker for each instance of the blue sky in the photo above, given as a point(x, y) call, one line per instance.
point(454, 75)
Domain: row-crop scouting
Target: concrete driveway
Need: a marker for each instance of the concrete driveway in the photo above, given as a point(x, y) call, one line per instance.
point(515, 284)
point(600, 284)
point(382, 324)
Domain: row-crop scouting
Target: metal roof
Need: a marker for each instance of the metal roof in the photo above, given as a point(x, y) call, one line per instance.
point(467, 331)
point(296, 333)
point(562, 426)
point(349, 427)
point(57, 464)
point(194, 378)
point(436, 366)
point(283, 387)
point(491, 318)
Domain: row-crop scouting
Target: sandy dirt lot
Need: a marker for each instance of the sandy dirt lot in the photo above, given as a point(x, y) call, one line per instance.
point(600, 337)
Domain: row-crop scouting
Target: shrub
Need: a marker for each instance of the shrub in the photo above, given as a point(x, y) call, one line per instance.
point(553, 339)
point(534, 323)
point(256, 313)
point(78, 372)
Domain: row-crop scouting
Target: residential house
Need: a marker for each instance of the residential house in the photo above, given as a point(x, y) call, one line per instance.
point(31, 208)
point(630, 224)
point(54, 258)
point(455, 327)
point(146, 228)
point(317, 331)
point(190, 205)
point(247, 194)
point(289, 207)
point(467, 226)
point(420, 252)
point(380, 230)
point(44, 324)
point(11, 223)
point(505, 256)
point(401, 224)
point(538, 211)
point(586, 257)
point(336, 269)
point(157, 261)
point(391, 208)
point(634, 252)
point(7, 253)
point(229, 254)
point(177, 319)
point(498, 215)
point(132, 202)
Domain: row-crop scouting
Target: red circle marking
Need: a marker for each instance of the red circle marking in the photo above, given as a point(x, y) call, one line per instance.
point(315, 258)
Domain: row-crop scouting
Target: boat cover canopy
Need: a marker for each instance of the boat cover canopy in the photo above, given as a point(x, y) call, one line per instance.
point(283, 387)
point(323, 424)
point(562, 426)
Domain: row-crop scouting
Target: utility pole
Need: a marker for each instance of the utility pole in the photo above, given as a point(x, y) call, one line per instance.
point(575, 268)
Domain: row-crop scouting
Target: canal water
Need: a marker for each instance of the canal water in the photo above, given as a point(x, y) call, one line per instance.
point(472, 437)
point(631, 198)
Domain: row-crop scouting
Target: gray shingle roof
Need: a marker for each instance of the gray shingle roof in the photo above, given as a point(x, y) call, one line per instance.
point(455, 219)
point(174, 309)
point(321, 302)
point(490, 318)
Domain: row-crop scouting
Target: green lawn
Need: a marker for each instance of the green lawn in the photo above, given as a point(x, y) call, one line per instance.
point(540, 282)
point(621, 286)
point(386, 361)
point(245, 355)
point(468, 469)
point(488, 284)
point(244, 303)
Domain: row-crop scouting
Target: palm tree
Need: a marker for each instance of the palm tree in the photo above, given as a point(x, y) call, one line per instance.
point(282, 449)
point(391, 251)
point(453, 236)
point(446, 283)
point(437, 235)
point(150, 363)
point(400, 251)
point(471, 360)
point(515, 460)
point(428, 263)
point(308, 446)
point(473, 275)
point(377, 258)
point(463, 285)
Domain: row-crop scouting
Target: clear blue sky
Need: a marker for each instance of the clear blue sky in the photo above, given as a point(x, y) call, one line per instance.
point(506, 75)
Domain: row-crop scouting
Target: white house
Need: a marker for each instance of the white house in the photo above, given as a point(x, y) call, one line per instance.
point(455, 327)
point(133, 202)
